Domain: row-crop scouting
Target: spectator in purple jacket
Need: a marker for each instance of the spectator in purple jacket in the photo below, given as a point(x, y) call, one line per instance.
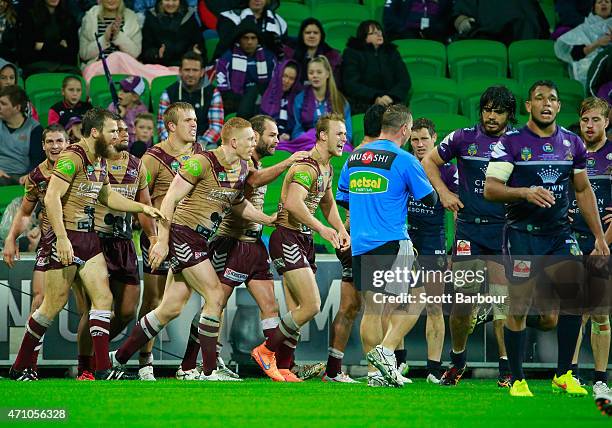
point(418, 19)
point(130, 105)
point(278, 99)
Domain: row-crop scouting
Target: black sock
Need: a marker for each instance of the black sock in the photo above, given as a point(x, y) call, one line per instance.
point(568, 330)
point(515, 346)
point(600, 377)
point(434, 367)
point(400, 356)
point(458, 360)
point(504, 366)
point(575, 369)
point(533, 321)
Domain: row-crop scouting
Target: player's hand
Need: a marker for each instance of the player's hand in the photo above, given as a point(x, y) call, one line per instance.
point(162, 50)
point(298, 156)
point(331, 236)
point(4, 174)
point(345, 239)
point(38, 46)
point(284, 137)
point(451, 201)
point(271, 219)
point(540, 196)
point(10, 252)
point(153, 212)
point(158, 254)
point(607, 219)
point(601, 248)
point(64, 250)
point(152, 242)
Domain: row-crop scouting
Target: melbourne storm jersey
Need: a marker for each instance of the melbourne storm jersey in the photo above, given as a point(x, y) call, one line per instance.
point(430, 220)
point(378, 179)
point(540, 161)
point(472, 148)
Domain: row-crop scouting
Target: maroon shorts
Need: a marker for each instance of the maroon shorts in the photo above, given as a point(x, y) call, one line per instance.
point(346, 260)
point(146, 267)
point(187, 248)
point(291, 250)
point(238, 262)
point(85, 246)
point(121, 260)
point(40, 264)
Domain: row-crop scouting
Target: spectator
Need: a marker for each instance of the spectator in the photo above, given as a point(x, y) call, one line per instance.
point(271, 26)
point(144, 126)
point(310, 44)
point(279, 98)
point(8, 30)
point(170, 30)
point(193, 87)
point(8, 77)
point(140, 7)
point(319, 97)
point(130, 105)
point(505, 21)
point(73, 128)
point(243, 72)
point(118, 28)
point(71, 105)
point(372, 70)
point(49, 40)
point(418, 19)
point(579, 47)
point(571, 13)
point(20, 137)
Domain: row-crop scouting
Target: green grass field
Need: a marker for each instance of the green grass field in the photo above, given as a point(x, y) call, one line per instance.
point(474, 403)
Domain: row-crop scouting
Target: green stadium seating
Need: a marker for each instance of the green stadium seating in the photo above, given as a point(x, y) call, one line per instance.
point(293, 14)
point(211, 45)
point(434, 95)
point(45, 89)
point(532, 58)
point(358, 133)
point(571, 93)
point(477, 58)
point(423, 58)
point(7, 194)
point(377, 8)
point(445, 122)
point(99, 93)
point(568, 119)
point(548, 7)
point(471, 90)
point(158, 86)
point(341, 20)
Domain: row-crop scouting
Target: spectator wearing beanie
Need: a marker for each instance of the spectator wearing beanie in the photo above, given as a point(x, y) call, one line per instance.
point(130, 104)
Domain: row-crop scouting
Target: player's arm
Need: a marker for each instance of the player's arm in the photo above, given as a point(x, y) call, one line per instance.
point(609, 229)
point(342, 193)
point(147, 223)
point(152, 170)
point(265, 176)
point(246, 210)
point(330, 212)
point(432, 163)
point(56, 189)
point(587, 203)
point(496, 190)
point(116, 201)
point(18, 226)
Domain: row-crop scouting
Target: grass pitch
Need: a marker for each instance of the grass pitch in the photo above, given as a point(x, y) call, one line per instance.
point(172, 403)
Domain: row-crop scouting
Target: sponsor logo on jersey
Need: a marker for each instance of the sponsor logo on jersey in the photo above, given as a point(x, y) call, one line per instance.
point(65, 166)
point(222, 176)
point(116, 167)
point(235, 276)
point(175, 165)
point(367, 182)
point(381, 159)
point(464, 248)
point(193, 167)
point(590, 163)
point(303, 178)
point(525, 153)
point(132, 172)
point(472, 149)
point(548, 148)
point(521, 268)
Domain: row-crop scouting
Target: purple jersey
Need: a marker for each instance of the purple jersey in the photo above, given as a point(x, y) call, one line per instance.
point(540, 161)
point(599, 170)
point(472, 148)
point(431, 219)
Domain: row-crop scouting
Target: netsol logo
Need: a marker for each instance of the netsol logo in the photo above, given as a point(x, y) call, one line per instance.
point(367, 182)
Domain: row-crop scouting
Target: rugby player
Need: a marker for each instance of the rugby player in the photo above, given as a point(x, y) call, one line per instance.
point(479, 223)
point(162, 162)
point(54, 140)
point(379, 178)
point(530, 171)
point(128, 177)
point(71, 247)
point(307, 186)
point(206, 187)
point(426, 229)
point(593, 124)
point(238, 253)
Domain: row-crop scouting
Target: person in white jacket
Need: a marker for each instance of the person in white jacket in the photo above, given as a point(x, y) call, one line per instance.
point(116, 28)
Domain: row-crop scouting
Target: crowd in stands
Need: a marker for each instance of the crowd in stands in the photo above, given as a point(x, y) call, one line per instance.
point(256, 66)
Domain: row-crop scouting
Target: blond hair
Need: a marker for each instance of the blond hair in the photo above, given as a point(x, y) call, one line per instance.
point(335, 96)
point(171, 115)
point(323, 122)
point(593, 103)
point(231, 126)
point(120, 10)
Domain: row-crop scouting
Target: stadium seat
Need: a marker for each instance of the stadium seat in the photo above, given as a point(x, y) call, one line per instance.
point(340, 20)
point(293, 14)
point(445, 122)
point(158, 86)
point(477, 58)
point(7, 194)
point(548, 7)
point(434, 95)
point(529, 58)
point(571, 94)
point(425, 58)
point(99, 93)
point(45, 89)
point(376, 9)
point(568, 119)
point(211, 45)
point(358, 133)
point(470, 91)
